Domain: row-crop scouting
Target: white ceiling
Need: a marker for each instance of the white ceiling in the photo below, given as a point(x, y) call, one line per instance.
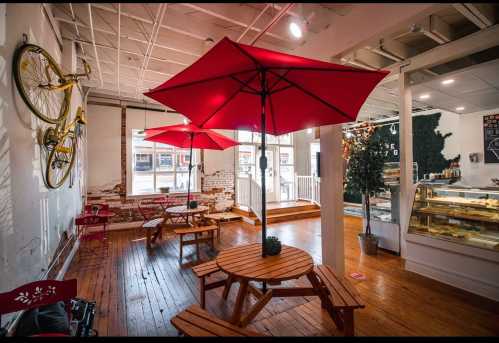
point(147, 59)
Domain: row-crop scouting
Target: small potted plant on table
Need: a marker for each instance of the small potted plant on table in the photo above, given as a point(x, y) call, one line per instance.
point(367, 154)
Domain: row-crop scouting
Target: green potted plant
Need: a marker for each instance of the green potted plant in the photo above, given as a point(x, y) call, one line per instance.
point(367, 154)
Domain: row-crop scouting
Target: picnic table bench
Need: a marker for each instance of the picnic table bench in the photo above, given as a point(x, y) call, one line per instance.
point(197, 232)
point(218, 218)
point(196, 322)
point(342, 298)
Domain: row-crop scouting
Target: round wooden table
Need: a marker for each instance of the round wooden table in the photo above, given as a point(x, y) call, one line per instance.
point(245, 263)
point(183, 211)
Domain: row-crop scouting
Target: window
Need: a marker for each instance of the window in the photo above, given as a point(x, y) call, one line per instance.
point(156, 165)
point(286, 172)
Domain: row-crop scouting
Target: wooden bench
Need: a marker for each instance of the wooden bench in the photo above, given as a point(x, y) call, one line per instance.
point(341, 298)
point(150, 226)
point(196, 322)
point(218, 218)
point(202, 271)
point(196, 231)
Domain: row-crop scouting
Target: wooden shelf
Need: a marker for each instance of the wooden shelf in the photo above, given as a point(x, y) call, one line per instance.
point(435, 211)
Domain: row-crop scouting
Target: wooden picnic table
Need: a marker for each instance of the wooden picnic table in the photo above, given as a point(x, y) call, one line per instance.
point(245, 263)
point(185, 212)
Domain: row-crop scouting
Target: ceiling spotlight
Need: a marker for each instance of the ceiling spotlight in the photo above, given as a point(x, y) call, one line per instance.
point(448, 81)
point(295, 29)
point(309, 130)
point(185, 121)
point(424, 96)
point(460, 108)
point(348, 134)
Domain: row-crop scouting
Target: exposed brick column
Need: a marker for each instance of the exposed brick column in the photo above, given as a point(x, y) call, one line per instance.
point(123, 151)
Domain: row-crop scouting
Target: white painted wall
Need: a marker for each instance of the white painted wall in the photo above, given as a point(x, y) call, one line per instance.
point(471, 140)
point(104, 146)
point(32, 218)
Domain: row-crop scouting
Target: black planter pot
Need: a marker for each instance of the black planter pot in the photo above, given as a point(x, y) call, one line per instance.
point(368, 244)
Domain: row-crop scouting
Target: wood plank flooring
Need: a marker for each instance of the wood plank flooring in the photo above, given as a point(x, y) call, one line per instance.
point(137, 291)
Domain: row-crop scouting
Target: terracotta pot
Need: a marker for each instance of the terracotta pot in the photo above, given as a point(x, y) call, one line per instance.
point(368, 244)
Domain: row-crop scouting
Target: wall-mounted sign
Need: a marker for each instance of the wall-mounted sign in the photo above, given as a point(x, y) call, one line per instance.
point(491, 138)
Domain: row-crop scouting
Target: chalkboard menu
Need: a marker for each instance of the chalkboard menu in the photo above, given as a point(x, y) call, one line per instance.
point(491, 138)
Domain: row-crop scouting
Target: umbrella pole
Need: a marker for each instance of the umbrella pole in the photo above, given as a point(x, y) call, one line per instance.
point(263, 164)
point(190, 168)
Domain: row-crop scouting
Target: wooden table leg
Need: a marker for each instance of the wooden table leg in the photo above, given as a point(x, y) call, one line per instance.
point(181, 239)
point(260, 304)
point(238, 307)
point(212, 234)
point(202, 283)
point(196, 237)
point(228, 284)
point(148, 238)
point(348, 322)
point(219, 226)
point(325, 302)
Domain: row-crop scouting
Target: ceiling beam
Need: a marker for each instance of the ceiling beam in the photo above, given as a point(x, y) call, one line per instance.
point(118, 51)
point(218, 11)
point(152, 40)
point(96, 29)
point(437, 29)
point(272, 22)
point(93, 41)
point(467, 45)
point(76, 27)
point(250, 25)
point(371, 59)
point(482, 15)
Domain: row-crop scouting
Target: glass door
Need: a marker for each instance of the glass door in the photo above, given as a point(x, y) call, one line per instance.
point(271, 173)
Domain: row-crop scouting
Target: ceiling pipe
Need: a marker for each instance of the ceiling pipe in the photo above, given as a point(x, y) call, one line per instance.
point(152, 40)
point(93, 41)
point(272, 22)
point(76, 27)
point(118, 52)
point(250, 26)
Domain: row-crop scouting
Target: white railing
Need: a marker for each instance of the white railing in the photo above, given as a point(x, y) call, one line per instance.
point(249, 194)
point(308, 188)
point(256, 198)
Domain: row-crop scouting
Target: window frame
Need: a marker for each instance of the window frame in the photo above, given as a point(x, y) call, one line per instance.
point(156, 152)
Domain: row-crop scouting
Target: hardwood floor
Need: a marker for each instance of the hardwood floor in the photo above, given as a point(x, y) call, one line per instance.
point(138, 292)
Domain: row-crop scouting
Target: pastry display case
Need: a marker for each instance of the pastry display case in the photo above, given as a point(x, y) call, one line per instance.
point(464, 215)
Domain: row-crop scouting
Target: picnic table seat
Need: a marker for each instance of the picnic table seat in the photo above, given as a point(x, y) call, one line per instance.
point(198, 232)
point(196, 322)
point(342, 298)
point(202, 271)
point(150, 226)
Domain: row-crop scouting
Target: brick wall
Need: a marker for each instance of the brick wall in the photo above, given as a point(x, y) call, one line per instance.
point(218, 188)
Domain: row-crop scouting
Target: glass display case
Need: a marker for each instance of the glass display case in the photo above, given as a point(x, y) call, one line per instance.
point(465, 215)
point(384, 206)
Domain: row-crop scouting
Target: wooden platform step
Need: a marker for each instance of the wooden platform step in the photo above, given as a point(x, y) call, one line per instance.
point(282, 217)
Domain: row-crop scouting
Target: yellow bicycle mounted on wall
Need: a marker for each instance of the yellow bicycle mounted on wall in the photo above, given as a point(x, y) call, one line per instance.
point(47, 92)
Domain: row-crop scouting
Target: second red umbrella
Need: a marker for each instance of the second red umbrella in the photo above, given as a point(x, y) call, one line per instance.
point(189, 136)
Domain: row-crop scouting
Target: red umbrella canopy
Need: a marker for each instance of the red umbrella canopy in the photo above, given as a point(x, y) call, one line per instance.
point(180, 136)
point(223, 89)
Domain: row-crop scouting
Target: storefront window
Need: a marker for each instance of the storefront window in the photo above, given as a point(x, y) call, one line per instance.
point(168, 168)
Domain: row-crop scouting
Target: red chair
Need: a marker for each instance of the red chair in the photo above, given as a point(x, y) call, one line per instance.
point(86, 225)
point(39, 293)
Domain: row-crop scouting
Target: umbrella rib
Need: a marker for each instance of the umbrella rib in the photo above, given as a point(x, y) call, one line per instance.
point(278, 80)
point(324, 102)
point(280, 89)
point(328, 69)
point(200, 81)
point(247, 54)
point(227, 101)
point(245, 84)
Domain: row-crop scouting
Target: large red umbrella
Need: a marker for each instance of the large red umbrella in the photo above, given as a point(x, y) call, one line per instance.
point(189, 136)
point(237, 86)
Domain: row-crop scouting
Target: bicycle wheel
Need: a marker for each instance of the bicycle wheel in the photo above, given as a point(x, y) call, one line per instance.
point(34, 71)
point(61, 160)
